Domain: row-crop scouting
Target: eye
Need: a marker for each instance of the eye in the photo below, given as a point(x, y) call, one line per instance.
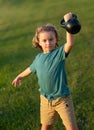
point(44, 40)
point(51, 39)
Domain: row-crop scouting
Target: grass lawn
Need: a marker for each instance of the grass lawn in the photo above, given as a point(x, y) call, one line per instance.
point(19, 107)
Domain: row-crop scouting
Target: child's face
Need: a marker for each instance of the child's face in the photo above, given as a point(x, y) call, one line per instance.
point(47, 40)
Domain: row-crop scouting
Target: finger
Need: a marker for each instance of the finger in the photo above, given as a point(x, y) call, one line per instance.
point(14, 83)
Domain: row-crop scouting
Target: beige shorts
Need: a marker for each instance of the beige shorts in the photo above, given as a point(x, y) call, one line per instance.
point(50, 110)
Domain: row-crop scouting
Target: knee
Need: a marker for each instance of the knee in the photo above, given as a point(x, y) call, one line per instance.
point(46, 127)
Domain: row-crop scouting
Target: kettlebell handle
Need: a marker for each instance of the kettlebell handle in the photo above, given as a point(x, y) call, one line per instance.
point(62, 22)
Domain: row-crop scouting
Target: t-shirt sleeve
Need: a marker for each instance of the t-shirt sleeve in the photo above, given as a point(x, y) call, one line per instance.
point(66, 54)
point(33, 67)
point(63, 55)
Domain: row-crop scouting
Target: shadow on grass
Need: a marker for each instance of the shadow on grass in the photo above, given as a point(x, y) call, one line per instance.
point(18, 2)
point(13, 2)
point(15, 37)
point(15, 28)
point(19, 27)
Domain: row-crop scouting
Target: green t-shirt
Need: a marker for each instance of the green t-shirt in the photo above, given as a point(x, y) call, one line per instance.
point(50, 70)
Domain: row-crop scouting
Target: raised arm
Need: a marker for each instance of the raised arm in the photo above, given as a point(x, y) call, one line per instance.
point(17, 80)
point(69, 37)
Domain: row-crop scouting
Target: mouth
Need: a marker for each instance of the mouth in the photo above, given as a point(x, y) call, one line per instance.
point(48, 46)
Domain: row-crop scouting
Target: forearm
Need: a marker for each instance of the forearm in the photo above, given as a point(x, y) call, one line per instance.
point(25, 73)
point(69, 42)
point(69, 39)
point(17, 80)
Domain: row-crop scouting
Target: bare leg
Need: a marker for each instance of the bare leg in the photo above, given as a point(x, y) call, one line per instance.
point(46, 127)
point(72, 127)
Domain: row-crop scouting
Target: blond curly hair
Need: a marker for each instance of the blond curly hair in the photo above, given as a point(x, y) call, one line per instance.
point(45, 28)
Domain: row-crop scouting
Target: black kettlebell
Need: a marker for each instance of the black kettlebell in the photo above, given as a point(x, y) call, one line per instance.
point(73, 25)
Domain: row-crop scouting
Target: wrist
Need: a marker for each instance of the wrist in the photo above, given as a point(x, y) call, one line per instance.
point(19, 77)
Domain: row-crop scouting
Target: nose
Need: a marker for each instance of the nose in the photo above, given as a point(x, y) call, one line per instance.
point(48, 42)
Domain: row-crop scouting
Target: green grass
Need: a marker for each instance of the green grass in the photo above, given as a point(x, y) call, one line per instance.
point(19, 107)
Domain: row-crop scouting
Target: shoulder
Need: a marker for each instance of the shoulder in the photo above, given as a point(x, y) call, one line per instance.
point(38, 55)
point(60, 48)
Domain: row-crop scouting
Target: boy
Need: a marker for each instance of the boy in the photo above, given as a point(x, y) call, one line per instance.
point(49, 66)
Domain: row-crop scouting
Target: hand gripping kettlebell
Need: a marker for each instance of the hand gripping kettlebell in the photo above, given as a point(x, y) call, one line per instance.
point(73, 25)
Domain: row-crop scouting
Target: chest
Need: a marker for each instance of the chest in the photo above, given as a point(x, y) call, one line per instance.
point(49, 63)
